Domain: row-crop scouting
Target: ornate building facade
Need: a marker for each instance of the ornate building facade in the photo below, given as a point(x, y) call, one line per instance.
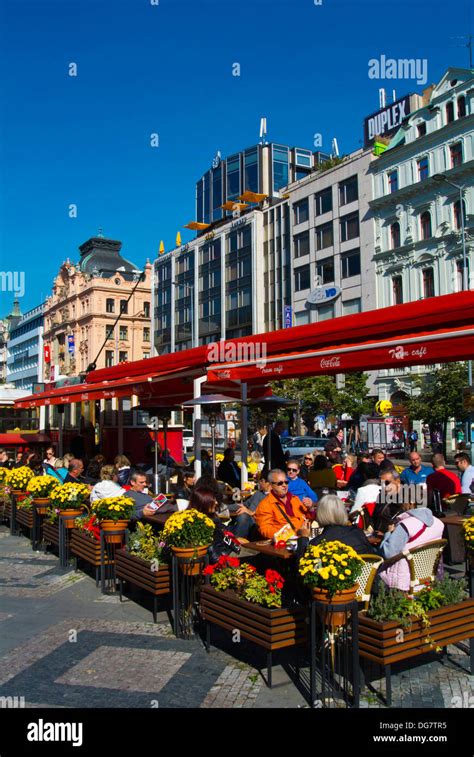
point(81, 313)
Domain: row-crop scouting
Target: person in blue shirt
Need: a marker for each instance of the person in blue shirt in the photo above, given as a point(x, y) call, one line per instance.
point(463, 464)
point(416, 473)
point(297, 486)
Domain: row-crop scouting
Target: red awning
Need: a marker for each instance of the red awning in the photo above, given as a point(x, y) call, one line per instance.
point(445, 345)
point(23, 439)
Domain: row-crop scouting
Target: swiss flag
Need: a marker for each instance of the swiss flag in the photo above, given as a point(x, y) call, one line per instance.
point(47, 354)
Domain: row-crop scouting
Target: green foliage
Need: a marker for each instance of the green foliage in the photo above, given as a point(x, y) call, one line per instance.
point(256, 590)
point(453, 590)
point(145, 543)
point(325, 165)
point(392, 604)
point(25, 504)
point(440, 395)
point(389, 604)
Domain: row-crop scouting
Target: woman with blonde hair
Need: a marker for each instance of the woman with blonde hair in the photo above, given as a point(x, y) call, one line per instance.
point(306, 466)
point(107, 486)
point(331, 516)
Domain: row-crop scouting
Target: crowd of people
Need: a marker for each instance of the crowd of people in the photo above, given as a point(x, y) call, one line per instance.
point(326, 496)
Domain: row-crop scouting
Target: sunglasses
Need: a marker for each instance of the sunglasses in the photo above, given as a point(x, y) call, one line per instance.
point(280, 483)
point(292, 470)
point(309, 458)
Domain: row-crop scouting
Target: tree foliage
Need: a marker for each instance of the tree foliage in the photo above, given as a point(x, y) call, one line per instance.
point(440, 396)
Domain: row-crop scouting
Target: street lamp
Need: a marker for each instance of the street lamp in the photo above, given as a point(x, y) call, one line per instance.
point(439, 177)
point(190, 287)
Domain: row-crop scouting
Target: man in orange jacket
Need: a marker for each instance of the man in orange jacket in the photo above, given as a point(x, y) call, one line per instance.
point(270, 513)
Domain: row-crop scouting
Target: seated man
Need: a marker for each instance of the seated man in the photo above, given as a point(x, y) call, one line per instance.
point(296, 486)
point(442, 480)
point(279, 508)
point(138, 483)
point(228, 470)
point(244, 519)
point(416, 473)
point(412, 528)
point(75, 473)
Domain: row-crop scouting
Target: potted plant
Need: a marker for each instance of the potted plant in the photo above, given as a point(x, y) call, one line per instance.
point(238, 597)
point(69, 499)
point(142, 562)
point(85, 541)
point(189, 533)
point(17, 480)
point(331, 570)
point(40, 487)
point(24, 511)
point(113, 514)
point(398, 625)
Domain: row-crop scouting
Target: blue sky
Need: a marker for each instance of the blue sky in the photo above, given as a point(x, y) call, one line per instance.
point(167, 69)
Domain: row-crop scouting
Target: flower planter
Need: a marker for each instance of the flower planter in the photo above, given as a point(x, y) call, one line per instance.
point(114, 525)
point(195, 554)
point(385, 644)
point(71, 515)
point(41, 504)
point(87, 548)
point(24, 517)
point(271, 629)
point(334, 618)
point(51, 533)
point(131, 568)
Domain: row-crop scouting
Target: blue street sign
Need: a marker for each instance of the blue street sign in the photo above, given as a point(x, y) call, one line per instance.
point(288, 317)
point(70, 343)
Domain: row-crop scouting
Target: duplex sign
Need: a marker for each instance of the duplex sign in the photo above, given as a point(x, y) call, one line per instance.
point(387, 120)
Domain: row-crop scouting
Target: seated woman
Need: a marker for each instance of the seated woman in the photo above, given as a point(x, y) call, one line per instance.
point(331, 516)
point(307, 466)
point(322, 475)
point(107, 486)
point(204, 499)
point(412, 528)
point(367, 493)
point(184, 485)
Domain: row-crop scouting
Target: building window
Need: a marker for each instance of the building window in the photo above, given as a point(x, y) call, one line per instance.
point(457, 214)
point(302, 278)
point(393, 181)
point(325, 312)
point(146, 355)
point(425, 224)
point(397, 290)
point(461, 106)
point(349, 227)
point(423, 170)
point(301, 211)
point(351, 307)
point(110, 306)
point(428, 282)
point(301, 243)
point(460, 276)
point(449, 112)
point(251, 182)
point(123, 333)
point(323, 201)
point(394, 235)
point(456, 154)
point(146, 309)
point(350, 264)
point(421, 129)
point(324, 236)
point(123, 357)
point(348, 191)
point(146, 334)
point(109, 332)
point(123, 306)
point(280, 167)
point(109, 358)
point(325, 271)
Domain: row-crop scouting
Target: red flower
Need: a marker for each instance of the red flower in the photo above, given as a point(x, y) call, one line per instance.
point(232, 562)
point(271, 589)
point(209, 570)
point(251, 567)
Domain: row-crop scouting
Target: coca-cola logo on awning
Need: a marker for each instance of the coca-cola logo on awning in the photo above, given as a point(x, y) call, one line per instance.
point(332, 362)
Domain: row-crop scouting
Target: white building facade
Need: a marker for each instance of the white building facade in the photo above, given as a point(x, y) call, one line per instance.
point(25, 359)
point(417, 208)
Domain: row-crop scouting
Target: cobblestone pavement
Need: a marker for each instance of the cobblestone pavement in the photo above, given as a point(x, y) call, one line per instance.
point(64, 644)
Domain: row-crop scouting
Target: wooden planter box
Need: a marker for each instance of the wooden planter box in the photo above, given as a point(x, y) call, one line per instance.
point(24, 517)
point(269, 628)
point(51, 533)
point(137, 571)
point(378, 641)
point(87, 548)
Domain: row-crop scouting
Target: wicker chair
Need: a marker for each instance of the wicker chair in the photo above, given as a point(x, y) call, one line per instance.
point(423, 562)
point(366, 578)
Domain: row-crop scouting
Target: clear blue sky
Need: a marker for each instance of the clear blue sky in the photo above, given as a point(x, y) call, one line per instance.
point(167, 68)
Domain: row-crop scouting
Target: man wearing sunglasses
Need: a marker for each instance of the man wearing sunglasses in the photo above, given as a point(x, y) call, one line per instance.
point(297, 487)
point(280, 508)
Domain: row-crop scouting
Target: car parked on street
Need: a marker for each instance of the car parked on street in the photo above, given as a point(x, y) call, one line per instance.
point(298, 446)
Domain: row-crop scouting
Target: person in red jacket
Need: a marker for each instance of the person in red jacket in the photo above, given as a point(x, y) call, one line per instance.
point(442, 480)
